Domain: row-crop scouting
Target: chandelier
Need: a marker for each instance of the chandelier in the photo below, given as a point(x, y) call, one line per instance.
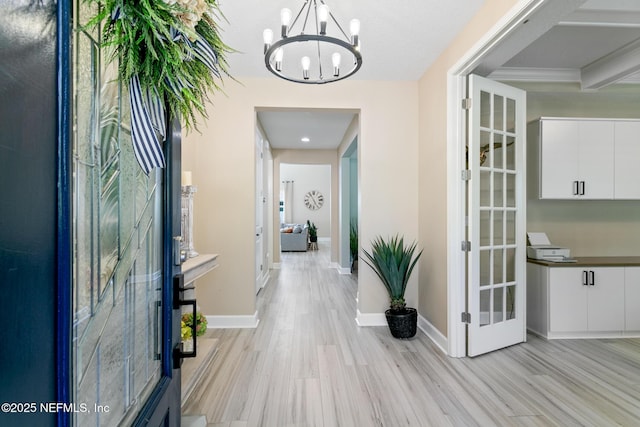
point(312, 57)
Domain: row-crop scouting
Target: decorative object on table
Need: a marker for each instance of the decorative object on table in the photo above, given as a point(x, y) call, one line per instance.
point(393, 262)
point(313, 200)
point(201, 324)
point(186, 215)
point(353, 246)
point(170, 53)
point(291, 58)
point(186, 329)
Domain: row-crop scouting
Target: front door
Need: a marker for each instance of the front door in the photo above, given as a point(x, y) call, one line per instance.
point(123, 226)
point(496, 209)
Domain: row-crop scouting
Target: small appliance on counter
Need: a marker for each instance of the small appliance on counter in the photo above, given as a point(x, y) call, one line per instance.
point(541, 248)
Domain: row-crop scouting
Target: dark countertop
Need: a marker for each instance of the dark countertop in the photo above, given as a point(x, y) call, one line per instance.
point(593, 261)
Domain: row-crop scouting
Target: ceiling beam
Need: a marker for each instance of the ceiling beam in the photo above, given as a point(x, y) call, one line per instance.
point(612, 68)
point(548, 15)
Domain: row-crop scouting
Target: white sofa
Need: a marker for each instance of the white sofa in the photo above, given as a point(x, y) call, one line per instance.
point(293, 237)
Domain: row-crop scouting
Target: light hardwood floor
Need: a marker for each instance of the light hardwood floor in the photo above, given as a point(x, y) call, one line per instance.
point(309, 364)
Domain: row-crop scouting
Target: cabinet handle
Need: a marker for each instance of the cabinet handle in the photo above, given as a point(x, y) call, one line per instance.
point(575, 188)
point(592, 278)
point(584, 278)
point(582, 188)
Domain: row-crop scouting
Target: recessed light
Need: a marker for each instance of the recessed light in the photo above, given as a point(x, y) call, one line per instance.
point(305, 139)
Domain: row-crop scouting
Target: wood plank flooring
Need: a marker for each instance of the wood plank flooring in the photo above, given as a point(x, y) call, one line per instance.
point(309, 364)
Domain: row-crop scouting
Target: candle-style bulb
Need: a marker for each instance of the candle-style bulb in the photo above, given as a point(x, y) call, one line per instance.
point(306, 62)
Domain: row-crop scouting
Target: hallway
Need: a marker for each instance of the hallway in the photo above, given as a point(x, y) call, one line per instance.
point(309, 364)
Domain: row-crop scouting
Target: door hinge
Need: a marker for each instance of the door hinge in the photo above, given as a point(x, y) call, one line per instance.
point(465, 175)
point(465, 245)
point(466, 103)
point(466, 317)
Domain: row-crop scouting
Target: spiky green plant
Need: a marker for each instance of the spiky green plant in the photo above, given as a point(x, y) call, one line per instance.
point(393, 263)
point(353, 240)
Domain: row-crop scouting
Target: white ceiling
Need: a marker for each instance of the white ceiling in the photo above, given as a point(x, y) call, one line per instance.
point(596, 45)
point(399, 39)
point(325, 129)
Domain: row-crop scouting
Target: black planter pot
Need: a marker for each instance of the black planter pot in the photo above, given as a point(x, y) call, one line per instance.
point(402, 323)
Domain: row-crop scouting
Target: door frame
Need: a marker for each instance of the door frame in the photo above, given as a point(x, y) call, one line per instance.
point(508, 28)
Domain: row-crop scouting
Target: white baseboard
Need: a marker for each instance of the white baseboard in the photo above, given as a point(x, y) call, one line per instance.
point(343, 270)
point(371, 319)
point(276, 266)
point(233, 322)
point(264, 279)
point(433, 333)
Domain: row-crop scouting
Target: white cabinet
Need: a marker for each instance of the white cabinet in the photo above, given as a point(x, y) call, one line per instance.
point(592, 159)
point(627, 156)
point(632, 298)
point(576, 159)
point(586, 299)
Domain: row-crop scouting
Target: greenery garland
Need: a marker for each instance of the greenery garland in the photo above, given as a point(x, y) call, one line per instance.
point(155, 40)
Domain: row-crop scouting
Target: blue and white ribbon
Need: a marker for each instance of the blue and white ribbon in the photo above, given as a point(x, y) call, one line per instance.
point(147, 109)
point(147, 117)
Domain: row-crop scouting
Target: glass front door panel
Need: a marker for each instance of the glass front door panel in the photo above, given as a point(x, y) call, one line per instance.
point(117, 232)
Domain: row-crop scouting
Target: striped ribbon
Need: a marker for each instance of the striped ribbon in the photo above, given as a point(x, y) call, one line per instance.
point(147, 117)
point(147, 110)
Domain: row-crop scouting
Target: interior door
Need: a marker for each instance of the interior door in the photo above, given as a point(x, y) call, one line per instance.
point(496, 208)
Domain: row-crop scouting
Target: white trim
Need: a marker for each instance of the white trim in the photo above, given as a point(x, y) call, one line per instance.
point(433, 333)
point(233, 322)
point(456, 91)
point(587, 335)
point(276, 266)
point(343, 270)
point(520, 74)
point(265, 279)
point(371, 319)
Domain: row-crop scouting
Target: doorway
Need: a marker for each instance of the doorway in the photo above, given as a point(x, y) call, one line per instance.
point(512, 44)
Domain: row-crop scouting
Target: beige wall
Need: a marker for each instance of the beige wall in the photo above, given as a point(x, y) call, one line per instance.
point(589, 228)
point(433, 163)
point(222, 161)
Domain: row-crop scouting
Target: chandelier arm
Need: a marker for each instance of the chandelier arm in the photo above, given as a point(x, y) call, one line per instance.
point(315, 9)
point(306, 2)
point(306, 17)
point(339, 27)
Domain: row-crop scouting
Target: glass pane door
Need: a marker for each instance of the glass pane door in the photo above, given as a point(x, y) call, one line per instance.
point(117, 237)
point(497, 216)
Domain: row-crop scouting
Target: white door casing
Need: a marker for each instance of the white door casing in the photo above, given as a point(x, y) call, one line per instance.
point(259, 199)
point(496, 289)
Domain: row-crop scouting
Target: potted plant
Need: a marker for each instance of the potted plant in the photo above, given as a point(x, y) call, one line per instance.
point(353, 246)
point(313, 231)
point(393, 262)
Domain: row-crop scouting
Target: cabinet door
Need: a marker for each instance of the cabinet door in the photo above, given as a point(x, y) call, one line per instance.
point(595, 159)
point(567, 300)
point(632, 298)
point(606, 299)
point(627, 154)
point(558, 158)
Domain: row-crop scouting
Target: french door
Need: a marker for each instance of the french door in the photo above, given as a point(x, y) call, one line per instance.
point(496, 210)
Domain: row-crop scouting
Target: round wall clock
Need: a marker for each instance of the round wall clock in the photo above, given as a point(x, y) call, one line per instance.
point(313, 200)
